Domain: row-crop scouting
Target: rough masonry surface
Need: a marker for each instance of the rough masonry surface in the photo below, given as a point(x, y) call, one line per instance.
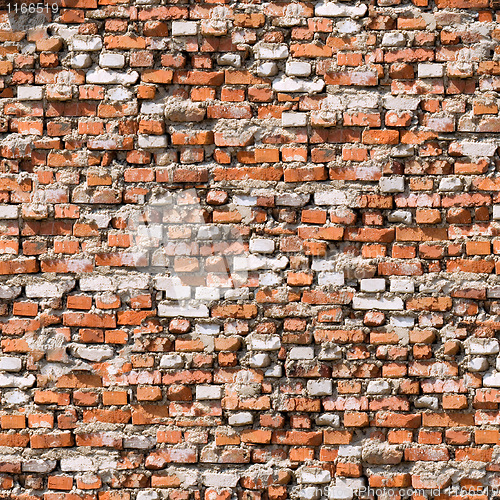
point(249, 249)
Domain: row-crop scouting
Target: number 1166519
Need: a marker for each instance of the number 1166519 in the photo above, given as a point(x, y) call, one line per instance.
point(33, 8)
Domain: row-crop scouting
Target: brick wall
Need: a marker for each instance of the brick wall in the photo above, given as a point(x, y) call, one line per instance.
point(249, 249)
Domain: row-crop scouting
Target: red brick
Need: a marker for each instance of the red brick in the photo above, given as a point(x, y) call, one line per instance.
point(60, 440)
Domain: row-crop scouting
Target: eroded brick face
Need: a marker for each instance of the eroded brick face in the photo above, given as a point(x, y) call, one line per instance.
point(249, 249)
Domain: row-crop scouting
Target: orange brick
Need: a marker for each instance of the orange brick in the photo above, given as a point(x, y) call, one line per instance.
point(151, 393)
point(478, 247)
point(356, 419)
point(13, 421)
point(111, 398)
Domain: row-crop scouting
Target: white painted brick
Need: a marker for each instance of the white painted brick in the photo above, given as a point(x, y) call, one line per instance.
point(233, 60)
point(265, 343)
point(496, 212)
point(259, 360)
point(261, 245)
point(297, 68)
point(204, 392)
point(450, 184)
point(206, 293)
point(80, 61)
point(97, 283)
point(402, 285)
point(169, 311)
point(15, 398)
point(256, 262)
point(301, 353)
point(384, 304)
point(270, 279)
point(29, 93)
point(483, 346)
point(362, 100)
point(401, 103)
point(477, 149)
point(141, 442)
point(491, 379)
point(245, 201)
point(333, 9)
point(350, 451)
point(402, 151)
point(314, 476)
point(430, 402)
point(220, 479)
point(184, 28)
point(323, 265)
point(241, 418)
point(331, 197)
point(348, 27)
point(94, 354)
point(9, 212)
point(267, 69)
point(292, 84)
point(77, 464)
point(9, 292)
point(86, 43)
point(330, 419)
point(275, 371)
point(378, 387)
point(178, 292)
point(152, 141)
point(292, 119)
point(403, 216)
point(207, 329)
point(107, 77)
point(49, 289)
point(7, 380)
point(152, 108)
point(330, 353)
point(402, 321)
point(271, 51)
point(250, 263)
point(119, 94)
point(133, 282)
point(478, 364)
point(101, 219)
point(331, 103)
point(151, 231)
point(208, 233)
point(171, 361)
point(320, 387)
point(430, 70)
point(396, 39)
point(10, 364)
point(109, 60)
point(328, 278)
point(147, 495)
point(372, 285)
point(352, 482)
point(392, 184)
